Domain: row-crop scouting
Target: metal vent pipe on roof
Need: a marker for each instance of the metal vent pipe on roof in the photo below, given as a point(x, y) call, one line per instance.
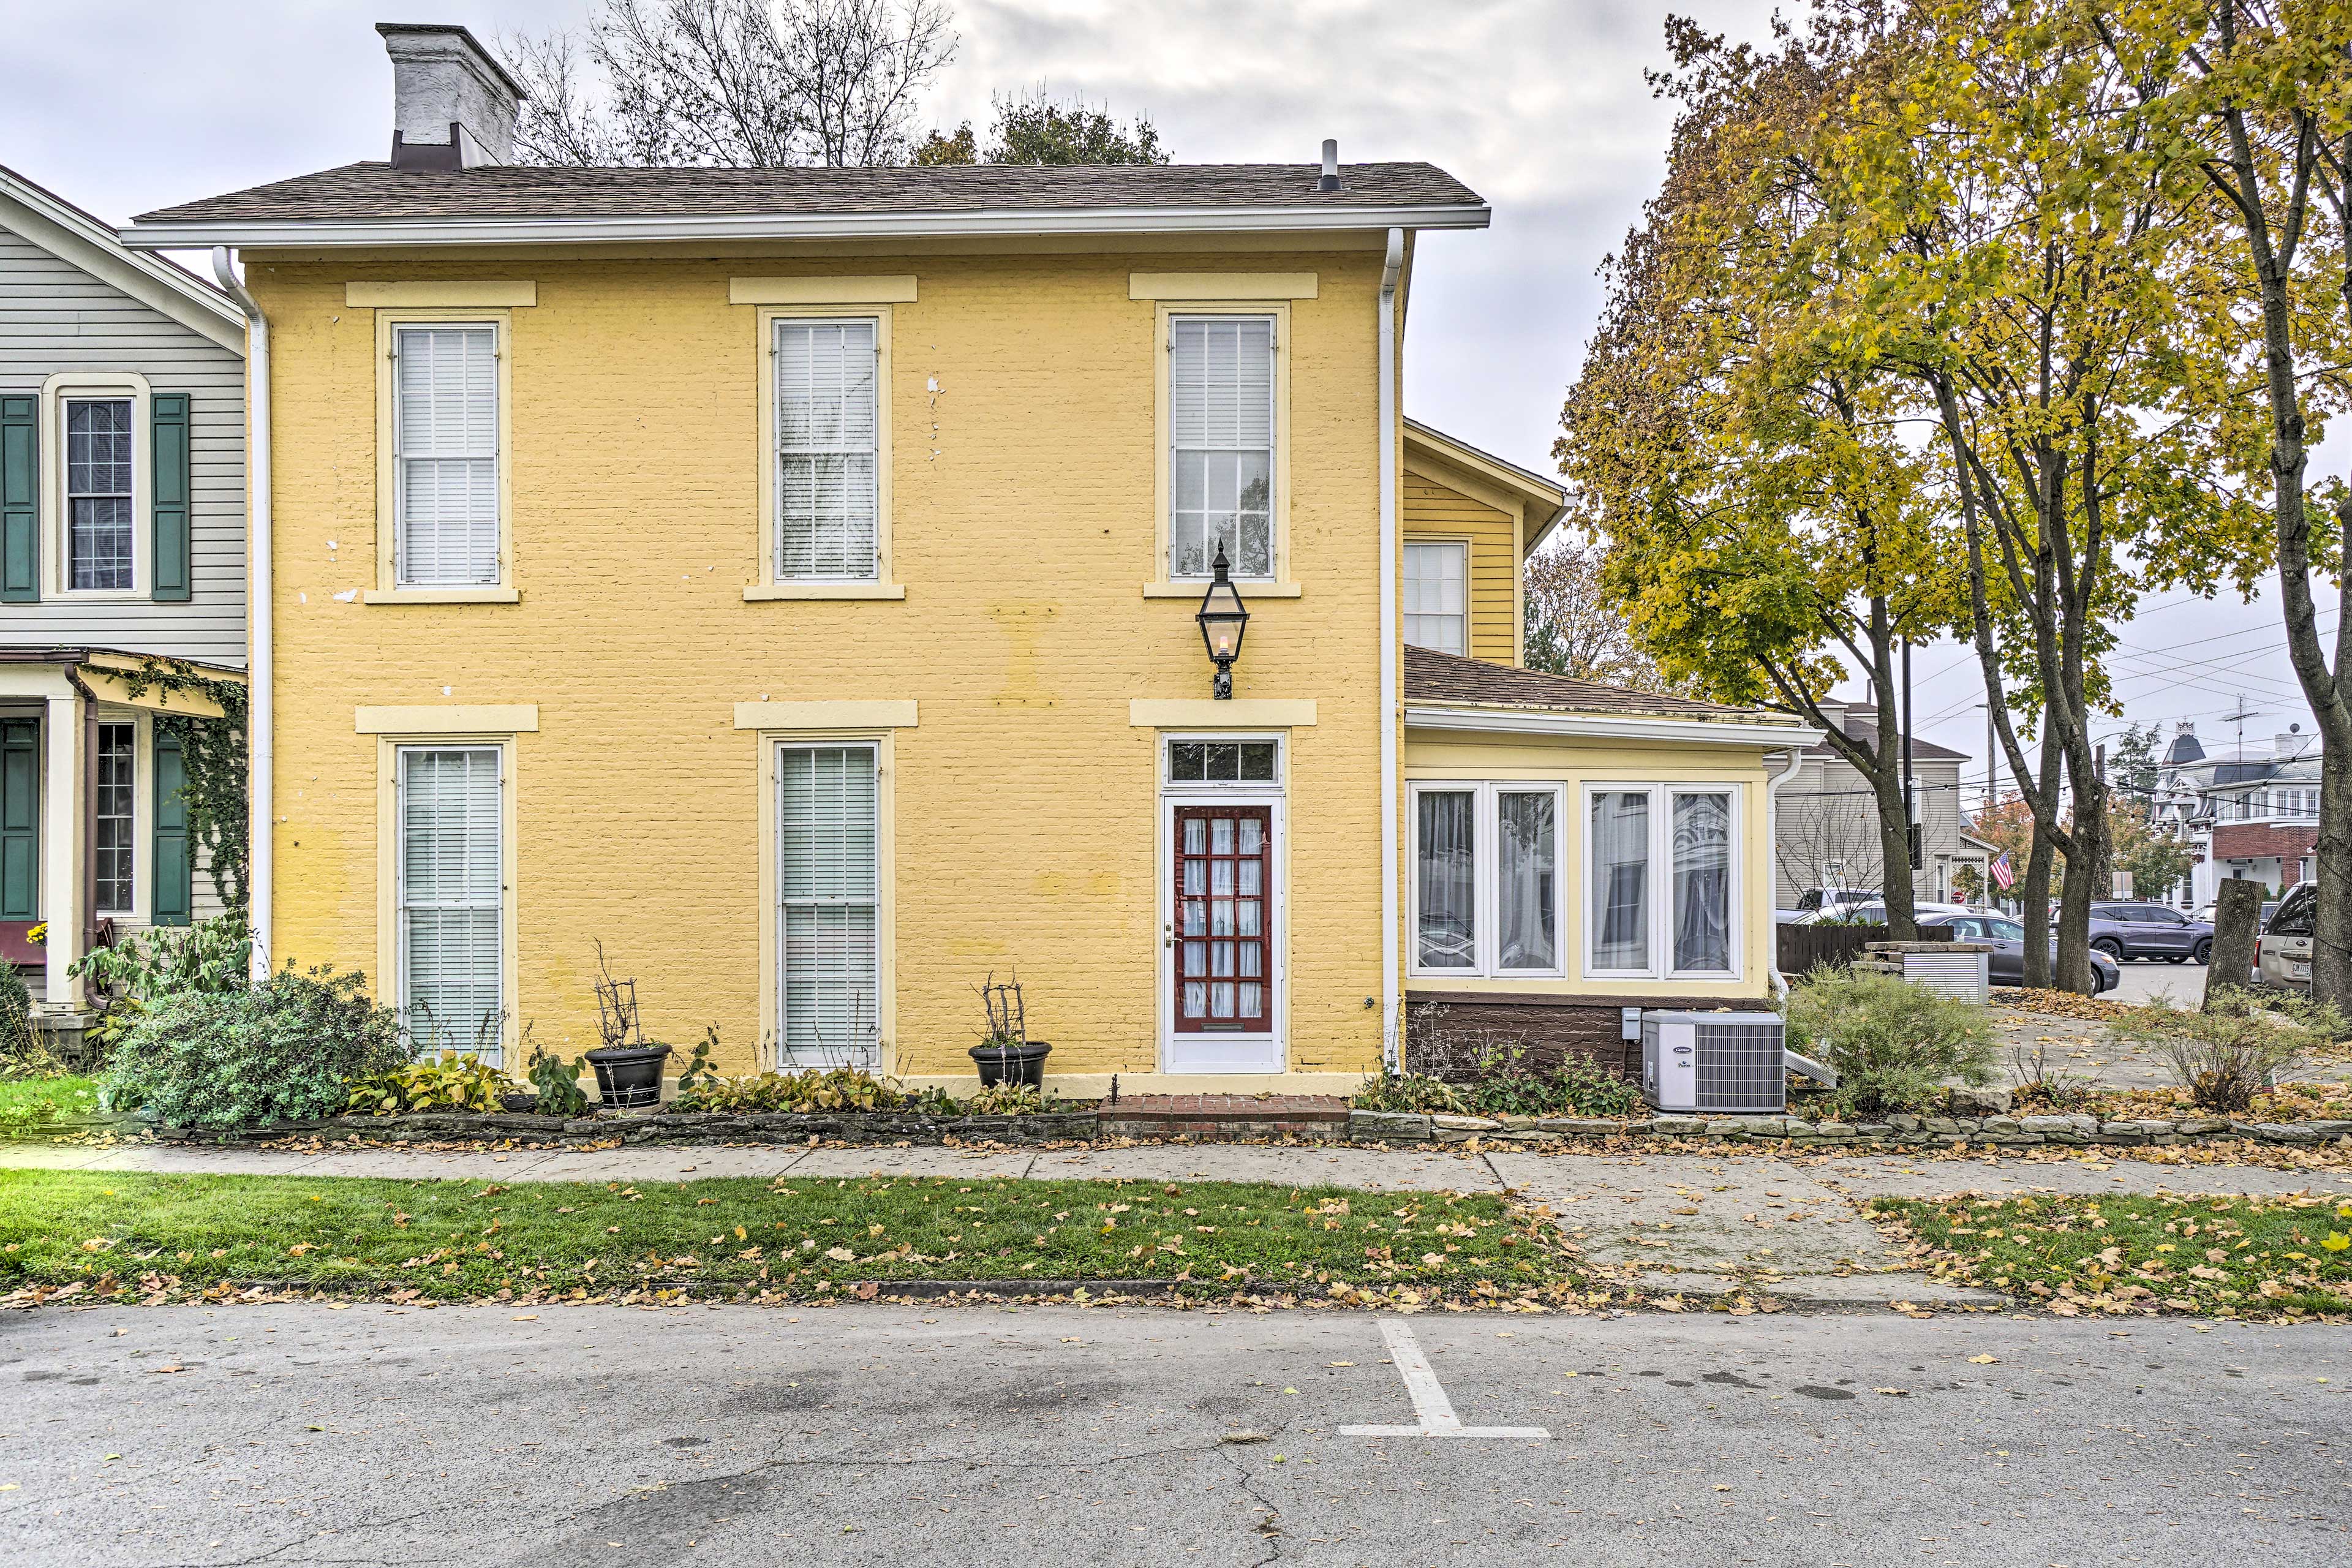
point(1330, 180)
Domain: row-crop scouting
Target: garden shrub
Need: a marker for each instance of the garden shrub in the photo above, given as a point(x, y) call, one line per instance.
point(288, 1050)
point(1892, 1043)
point(842, 1088)
point(18, 1044)
point(459, 1082)
point(1410, 1094)
point(2237, 1047)
point(1579, 1086)
point(210, 956)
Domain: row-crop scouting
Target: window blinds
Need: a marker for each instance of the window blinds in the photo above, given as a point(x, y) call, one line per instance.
point(827, 816)
point(451, 864)
point(1221, 444)
point(446, 454)
point(827, 442)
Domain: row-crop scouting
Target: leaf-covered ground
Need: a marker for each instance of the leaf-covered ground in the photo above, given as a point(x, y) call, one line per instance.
point(167, 1237)
point(2284, 1257)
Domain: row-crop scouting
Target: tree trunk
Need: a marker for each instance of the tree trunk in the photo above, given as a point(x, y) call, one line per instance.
point(2331, 938)
point(2077, 888)
point(1896, 885)
point(2033, 913)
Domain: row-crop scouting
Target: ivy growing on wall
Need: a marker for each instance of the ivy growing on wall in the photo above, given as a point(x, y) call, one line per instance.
point(213, 753)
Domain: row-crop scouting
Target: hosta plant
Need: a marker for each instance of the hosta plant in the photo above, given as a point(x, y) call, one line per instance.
point(459, 1082)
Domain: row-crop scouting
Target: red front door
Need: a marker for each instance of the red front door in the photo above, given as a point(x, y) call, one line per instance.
point(1222, 920)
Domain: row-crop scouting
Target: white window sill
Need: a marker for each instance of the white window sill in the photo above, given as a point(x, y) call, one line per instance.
point(1193, 589)
point(765, 591)
point(466, 595)
point(100, 595)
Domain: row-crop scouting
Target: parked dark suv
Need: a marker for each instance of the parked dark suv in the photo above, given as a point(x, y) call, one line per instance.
point(2124, 931)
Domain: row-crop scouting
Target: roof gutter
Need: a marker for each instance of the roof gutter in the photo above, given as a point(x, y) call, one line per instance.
point(255, 233)
point(1391, 986)
point(261, 703)
point(1611, 726)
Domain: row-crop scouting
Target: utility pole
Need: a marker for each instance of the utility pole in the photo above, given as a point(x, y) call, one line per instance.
point(1992, 752)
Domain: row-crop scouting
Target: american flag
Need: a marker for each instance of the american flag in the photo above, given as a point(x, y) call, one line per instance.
point(2003, 876)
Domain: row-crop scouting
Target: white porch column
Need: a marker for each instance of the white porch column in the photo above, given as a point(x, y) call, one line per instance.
point(62, 833)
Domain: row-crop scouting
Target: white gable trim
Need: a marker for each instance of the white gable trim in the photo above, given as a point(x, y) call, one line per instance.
point(74, 236)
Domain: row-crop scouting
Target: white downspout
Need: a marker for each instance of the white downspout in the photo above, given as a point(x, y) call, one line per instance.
point(261, 714)
point(1772, 837)
point(1391, 714)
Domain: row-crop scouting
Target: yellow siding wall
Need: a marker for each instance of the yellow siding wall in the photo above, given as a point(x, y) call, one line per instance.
point(1431, 755)
point(1021, 400)
point(1434, 509)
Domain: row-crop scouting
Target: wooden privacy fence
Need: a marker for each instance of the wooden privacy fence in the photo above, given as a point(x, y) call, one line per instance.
point(1803, 949)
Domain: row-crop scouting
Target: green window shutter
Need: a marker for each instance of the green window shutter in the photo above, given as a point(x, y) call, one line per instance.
point(174, 864)
point(20, 501)
point(20, 819)
point(167, 413)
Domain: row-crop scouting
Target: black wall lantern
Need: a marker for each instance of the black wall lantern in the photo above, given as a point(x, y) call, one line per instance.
point(1223, 620)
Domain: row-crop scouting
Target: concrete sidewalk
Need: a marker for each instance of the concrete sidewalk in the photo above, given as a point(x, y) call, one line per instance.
point(1694, 1223)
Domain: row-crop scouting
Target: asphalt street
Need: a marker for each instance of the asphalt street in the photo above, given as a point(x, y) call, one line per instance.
point(878, 1434)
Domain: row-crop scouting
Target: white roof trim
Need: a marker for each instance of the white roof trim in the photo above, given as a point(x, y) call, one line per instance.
point(74, 236)
point(1014, 221)
point(1611, 726)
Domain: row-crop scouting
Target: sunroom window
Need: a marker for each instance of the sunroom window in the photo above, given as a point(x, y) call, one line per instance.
point(1486, 879)
point(1661, 874)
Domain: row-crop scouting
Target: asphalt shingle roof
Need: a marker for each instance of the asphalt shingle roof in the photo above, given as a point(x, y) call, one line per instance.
point(360, 191)
point(1433, 677)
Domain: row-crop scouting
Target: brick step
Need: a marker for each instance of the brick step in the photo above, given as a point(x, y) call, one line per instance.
point(1214, 1118)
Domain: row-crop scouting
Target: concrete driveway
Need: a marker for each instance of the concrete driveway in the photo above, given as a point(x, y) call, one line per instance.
point(889, 1434)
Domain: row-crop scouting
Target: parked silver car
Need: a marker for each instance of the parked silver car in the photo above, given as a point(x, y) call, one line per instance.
point(2282, 954)
point(2006, 937)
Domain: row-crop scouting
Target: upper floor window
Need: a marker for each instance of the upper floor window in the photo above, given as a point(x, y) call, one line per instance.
point(445, 424)
point(1436, 614)
point(828, 452)
point(1221, 444)
point(101, 529)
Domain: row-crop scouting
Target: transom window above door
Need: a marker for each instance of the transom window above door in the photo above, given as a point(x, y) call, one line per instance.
point(1221, 444)
point(1224, 762)
point(1437, 596)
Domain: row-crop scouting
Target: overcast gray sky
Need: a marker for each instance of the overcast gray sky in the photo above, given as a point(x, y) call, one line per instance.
point(1540, 105)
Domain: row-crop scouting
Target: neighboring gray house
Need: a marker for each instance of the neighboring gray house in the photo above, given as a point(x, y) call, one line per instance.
point(122, 536)
point(1826, 828)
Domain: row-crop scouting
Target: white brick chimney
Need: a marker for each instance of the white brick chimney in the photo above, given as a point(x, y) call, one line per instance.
point(453, 105)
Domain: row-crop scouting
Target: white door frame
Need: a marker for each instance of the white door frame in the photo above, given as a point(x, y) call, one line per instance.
point(1197, 1054)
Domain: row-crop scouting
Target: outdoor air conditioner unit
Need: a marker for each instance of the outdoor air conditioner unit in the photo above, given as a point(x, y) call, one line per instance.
point(1714, 1061)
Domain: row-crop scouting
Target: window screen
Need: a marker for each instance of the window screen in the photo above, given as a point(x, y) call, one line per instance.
point(827, 445)
point(451, 868)
point(1221, 444)
point(826, 817)
point(446, 455)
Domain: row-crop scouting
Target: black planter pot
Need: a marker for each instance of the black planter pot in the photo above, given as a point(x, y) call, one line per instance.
point(1023, 1064)
point(629, 1076)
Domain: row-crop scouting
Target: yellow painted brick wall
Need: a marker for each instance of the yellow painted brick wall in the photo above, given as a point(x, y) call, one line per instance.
point(1025, 805)
point(1434, 509)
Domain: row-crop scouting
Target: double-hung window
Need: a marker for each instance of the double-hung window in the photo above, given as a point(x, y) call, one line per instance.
point(1436, 595)
point(1486, 879)
point(1661, 884)
point(102, 532)
point(1221, 444)
point(828, 455)
point(828, 839)
point(113, 825)
point(444, 431)
point(451, 870)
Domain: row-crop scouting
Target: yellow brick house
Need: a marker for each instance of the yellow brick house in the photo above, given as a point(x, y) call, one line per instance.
point(788, 579)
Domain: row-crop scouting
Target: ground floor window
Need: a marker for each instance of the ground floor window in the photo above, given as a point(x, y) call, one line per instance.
point(451, 905)
point(115, 842)
point(1486, 879)
point(828, 840)
point(1661, 880)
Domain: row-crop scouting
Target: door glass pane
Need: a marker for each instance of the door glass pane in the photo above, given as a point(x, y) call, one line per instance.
point(1221, 836)
point(1527, 891)
point(1252, 1003)
point(1196, 837)
point(1618, 874)
point(1221, 878)
point(1253, 835)
point(1196, 958)
point(1246, 917)
point(1703, 882)
point(1221, 917)
point(1196, 998)
point(1250, 871)
point(1445, 875)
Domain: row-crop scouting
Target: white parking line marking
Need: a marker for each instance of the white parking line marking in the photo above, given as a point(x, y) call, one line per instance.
point(1428, 1395)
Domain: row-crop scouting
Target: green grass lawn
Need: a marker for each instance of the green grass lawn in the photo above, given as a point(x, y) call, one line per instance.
point(457, 1241)
point(2219, 1256)
point(26, 1104)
